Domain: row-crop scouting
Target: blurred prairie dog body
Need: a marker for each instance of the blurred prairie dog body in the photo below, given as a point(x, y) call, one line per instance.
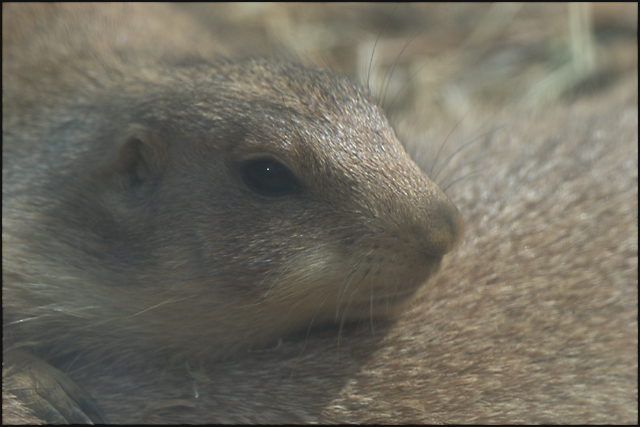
point(169, 208)
point(536, 320)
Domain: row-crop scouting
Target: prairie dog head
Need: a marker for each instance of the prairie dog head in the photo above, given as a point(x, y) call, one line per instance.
point(201, 208)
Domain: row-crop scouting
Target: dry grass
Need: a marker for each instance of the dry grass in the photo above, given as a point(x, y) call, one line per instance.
point(433, 64)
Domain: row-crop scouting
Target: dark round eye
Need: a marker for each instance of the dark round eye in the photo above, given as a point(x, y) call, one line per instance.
point(269, 177)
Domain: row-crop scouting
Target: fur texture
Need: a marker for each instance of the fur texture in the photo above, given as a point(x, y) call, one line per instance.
point(533, 318)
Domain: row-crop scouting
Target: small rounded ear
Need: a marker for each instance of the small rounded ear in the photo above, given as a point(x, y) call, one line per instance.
point(141, 157)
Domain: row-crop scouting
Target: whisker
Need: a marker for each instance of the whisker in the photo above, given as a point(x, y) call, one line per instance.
point(375, 45)
point(352, 273)
point(392, 67)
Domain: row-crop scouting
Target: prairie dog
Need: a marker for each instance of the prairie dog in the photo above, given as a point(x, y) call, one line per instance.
point(162, 207)
point(534, 319)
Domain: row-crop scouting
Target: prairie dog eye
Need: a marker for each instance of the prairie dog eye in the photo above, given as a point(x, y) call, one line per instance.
point(269, 177)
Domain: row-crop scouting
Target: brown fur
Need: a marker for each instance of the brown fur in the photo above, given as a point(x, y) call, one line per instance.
point(533, 319)
point(138, 228)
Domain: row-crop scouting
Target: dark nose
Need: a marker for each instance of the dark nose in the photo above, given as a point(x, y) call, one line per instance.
point(443, 225)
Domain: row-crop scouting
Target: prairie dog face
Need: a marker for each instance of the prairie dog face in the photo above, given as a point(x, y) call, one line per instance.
point(297, 205)
point(229, 203)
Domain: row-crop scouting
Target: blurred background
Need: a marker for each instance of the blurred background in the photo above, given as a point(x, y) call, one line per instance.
point(431, 65)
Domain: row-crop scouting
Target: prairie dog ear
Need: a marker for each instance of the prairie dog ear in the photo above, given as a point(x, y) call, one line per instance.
point(141, 157)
